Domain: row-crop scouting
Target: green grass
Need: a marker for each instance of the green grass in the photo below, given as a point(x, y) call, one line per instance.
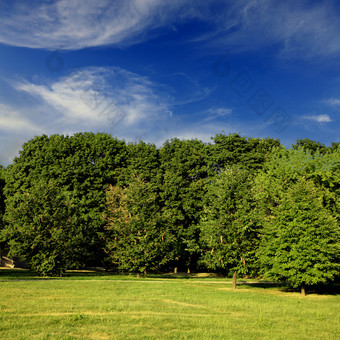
point(104, 306)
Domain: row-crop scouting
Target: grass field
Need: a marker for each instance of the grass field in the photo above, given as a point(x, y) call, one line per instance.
point(101, 306)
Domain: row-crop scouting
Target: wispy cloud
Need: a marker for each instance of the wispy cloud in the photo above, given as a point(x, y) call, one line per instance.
point(14, 121)
point(76, 24)
point(318, 118)
point(15, 129)
point(96, 97)
point(298, 29)
point(112, 100)
point(334, 102)
point(215, 114)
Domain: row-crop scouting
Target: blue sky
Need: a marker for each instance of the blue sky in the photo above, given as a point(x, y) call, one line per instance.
point(154, 70)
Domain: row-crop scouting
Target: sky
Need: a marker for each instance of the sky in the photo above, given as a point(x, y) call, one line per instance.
point(153, 70)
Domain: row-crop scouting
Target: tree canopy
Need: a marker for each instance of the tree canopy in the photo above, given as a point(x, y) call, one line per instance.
point(301, 239)
point(242, 205)
point(230, 226)
point(139, 235)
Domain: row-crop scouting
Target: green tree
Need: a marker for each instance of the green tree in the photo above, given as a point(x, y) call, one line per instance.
point(138, 235)
point(229, 227)
point(300, 241)
point(184, 178)
point(2, 195)
point(311, 145)
point(248, 153)
point(143, 159)
point(3, 245)
point(40, 227)
point(83, 165)
point(285, 166)
point(334, 146)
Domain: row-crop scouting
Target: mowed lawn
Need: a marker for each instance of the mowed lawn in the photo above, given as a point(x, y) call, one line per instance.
point(124, 307)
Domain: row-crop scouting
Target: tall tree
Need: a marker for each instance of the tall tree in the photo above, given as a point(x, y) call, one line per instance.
point(40, 227)
point(301, 239)
point(2, 195)
point(229, 227)
point(2, 205)
point(287, 167)
point(84, 165)
point(185, 172)
point(138, 235)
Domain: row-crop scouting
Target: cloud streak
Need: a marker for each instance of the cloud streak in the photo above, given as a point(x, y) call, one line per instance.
point(98, 99)
point(334, 102)
point(95, 97)
point(296, 29)
point(77, 24)
point(319, 118)
point(13, 121)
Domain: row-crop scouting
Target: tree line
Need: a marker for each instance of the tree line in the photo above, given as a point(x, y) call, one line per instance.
point(237, 205)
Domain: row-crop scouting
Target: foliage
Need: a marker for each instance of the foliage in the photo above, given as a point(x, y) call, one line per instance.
point(308, 144)
point(229, 228)
point(184, 170)
point(249, 153)
point(301, 239)
point(40, 227)
point(138, 238)
point(2, 196)
point(194, 194)
point(285, 166)
point(279, 178)
point(3, 245)
point(83, 165)
point(143, 159)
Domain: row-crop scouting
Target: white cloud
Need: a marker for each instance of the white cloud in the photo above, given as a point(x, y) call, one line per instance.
point(75, 24)
point(318, 118)
point(219, 112)
point(299, 29)
point(335, 102)
point(15, 129)
point(111, 100)
point(96, 97)
point(14, 121)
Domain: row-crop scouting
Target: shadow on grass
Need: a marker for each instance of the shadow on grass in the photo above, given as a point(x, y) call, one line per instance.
point(264, 285)
point(331, 289)
point(182, 275)
point(17, 274)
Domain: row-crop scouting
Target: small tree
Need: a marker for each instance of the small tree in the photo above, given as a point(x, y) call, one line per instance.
point(300, 241)
point(138, 236)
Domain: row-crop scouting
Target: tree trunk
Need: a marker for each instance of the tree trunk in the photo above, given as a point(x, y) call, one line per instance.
point(138, 275)
point(175, 270)
point(188, 271)
point(234, 279)
point(303, 290)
